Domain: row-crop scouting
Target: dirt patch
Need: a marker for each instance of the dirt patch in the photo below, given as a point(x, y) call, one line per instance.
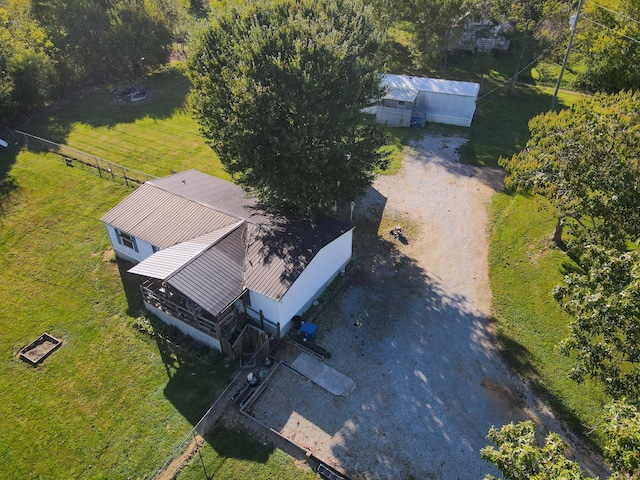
point(39, 349)
point(412, 330)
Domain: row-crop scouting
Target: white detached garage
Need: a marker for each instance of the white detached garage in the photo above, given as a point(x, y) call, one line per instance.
point(414, 100)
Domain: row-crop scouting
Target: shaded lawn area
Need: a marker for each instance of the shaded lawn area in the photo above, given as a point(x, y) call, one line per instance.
point(524, 267)
point(154, 136)
point(228, 455)
point(110, 402)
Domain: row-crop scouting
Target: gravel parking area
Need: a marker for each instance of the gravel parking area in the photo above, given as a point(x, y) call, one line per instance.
point(411, 329)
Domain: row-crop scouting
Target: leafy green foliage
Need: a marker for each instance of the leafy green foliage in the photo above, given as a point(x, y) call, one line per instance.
point(622, 429)
point(610, 48)
point(527, 20)
point(605, 332)
point(519, 457)
point(26, 68)
point(433, 21)
point(278, 90)
point(585, 160)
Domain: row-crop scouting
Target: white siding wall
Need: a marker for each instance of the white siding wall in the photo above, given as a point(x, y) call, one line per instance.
point(144, 249)
point(393, 116)
point(184, 328)
point(446, 108)
point(325, 266)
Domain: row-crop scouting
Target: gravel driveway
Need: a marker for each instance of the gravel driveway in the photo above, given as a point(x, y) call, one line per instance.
point(411, 329)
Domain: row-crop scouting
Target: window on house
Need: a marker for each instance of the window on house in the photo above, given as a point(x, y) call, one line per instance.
point(154, 248)
point(401, 103)
point(127, 240)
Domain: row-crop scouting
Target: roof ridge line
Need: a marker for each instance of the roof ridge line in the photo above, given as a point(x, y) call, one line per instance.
point(219, 210)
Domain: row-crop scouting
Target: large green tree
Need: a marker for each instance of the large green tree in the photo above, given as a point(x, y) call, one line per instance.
point(586, 161)
point(434, 21)
point(529, 20)
point(27, 70)
point(99, 40)
point(604, 302)
point(519, 456)
point(278, 89)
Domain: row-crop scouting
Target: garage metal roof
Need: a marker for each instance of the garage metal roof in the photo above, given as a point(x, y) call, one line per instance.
point(435, 85)
point(401, 94)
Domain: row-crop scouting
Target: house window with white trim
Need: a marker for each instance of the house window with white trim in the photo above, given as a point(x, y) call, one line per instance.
point(127, 240)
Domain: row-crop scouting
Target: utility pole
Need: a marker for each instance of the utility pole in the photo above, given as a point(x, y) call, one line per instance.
point(574, 26)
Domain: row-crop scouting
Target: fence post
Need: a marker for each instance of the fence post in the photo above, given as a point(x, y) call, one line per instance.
point(98, 167)
point(124, 173)
point(113, 177)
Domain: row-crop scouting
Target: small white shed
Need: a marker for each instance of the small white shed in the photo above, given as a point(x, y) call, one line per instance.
point(414, 100)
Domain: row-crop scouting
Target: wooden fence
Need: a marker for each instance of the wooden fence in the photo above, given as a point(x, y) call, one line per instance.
point(72, 157)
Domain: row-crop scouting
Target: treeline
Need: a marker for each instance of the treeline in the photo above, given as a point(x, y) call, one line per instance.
point(48, 47)
point(606, 52)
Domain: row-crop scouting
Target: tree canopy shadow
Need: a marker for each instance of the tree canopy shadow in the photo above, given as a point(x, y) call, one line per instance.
point(100, 106)
point(8, 184)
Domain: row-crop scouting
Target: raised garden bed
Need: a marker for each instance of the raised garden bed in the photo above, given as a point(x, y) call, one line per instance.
point(39, 349)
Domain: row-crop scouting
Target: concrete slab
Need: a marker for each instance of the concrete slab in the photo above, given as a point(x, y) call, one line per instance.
point(322, 374)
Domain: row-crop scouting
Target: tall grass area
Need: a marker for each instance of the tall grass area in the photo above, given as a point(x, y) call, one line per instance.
point(524, 268)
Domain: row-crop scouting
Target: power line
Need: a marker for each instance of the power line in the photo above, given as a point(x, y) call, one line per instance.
point(616, 12)
point(511, 78)
point(611, 30)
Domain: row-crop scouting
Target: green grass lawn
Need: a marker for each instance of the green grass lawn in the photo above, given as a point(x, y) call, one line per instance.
point(153, 136)
point(110, 402)
point(524, 268)
point(229, 455)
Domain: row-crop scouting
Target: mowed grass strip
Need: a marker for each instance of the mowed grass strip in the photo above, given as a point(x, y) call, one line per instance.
point(524, 268)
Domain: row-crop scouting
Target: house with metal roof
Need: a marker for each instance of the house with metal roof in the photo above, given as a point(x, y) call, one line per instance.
point(410, 101)
point(216, 265)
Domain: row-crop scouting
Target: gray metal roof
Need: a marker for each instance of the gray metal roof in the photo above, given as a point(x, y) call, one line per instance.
point(162, 218)
point(435, 85)
point(214, 278)
point(220, 195)
point(277, 255)
point(215, 241)
point(402, 94)
point(164, 263)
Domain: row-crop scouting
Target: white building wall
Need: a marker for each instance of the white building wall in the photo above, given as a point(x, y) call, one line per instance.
point(185, 328)
point(324, 267)
point(446, 108)
point(394, 117)
point(144, 249)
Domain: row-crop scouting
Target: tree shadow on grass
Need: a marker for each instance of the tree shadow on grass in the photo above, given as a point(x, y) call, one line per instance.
point(100, 107)
point(500, 126)
point(8, 184)
point(522, 362)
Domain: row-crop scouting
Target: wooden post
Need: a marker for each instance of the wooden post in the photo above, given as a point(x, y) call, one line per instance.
point(98, 167)
point(124, 173)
